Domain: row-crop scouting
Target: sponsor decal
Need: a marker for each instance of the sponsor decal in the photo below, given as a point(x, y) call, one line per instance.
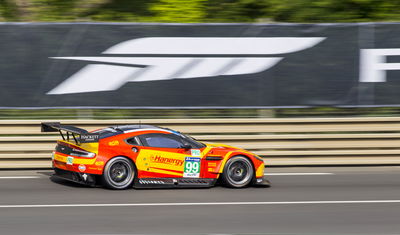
point(70, 160)
point(99, 163)
point(180, 58)
point(192, 167)
point(82, 168)
point(195, 152)
point(113, 143)
point(212, 164)
point(88, 138)
point(165, 160)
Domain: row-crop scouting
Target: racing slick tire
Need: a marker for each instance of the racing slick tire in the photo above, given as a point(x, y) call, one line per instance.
point(119, 173)
point(238, 172)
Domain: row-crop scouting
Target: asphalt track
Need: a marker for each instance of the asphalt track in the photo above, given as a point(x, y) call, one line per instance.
point(320, 201)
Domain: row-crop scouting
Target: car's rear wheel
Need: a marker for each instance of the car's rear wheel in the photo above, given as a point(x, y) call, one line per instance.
point(119, 173)
point(238, 172)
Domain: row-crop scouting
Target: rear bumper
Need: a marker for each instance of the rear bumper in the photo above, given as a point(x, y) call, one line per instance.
point(87, 168)
point(77, 177)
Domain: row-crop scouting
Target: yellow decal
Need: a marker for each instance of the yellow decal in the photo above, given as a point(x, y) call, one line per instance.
point(113, 143)
point(61, 158)
point(226, 157)
point(260, 171)
point(160, 159)
point(99, 163)
point(212, 164)
point(95, 168)
point(206, 150)
point(165, 171)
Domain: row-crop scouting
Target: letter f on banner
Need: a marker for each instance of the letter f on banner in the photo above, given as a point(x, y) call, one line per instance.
point(167, 58)
point(373, 64)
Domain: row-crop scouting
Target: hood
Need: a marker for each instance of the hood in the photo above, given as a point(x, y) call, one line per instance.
point(221, 146)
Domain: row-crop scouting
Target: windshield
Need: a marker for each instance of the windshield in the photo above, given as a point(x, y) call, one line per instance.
point(191, 141)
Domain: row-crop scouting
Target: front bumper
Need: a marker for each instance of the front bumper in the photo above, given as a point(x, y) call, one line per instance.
point(77, 177)
point(262, 182)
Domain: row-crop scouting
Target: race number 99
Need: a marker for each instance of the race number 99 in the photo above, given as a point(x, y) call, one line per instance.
point(192, 167)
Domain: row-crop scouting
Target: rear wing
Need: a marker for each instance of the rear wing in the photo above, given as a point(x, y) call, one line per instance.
point(78, 134)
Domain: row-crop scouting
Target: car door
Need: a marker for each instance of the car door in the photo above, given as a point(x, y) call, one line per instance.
point(168, 155)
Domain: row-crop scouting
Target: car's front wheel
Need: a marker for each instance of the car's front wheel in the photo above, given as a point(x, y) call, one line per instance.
point(238, 172)
point(119, 173)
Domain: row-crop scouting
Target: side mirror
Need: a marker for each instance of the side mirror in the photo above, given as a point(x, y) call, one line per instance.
point(186, 146)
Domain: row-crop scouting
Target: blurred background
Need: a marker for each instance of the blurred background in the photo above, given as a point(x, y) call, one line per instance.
point(200, 11)
point(253, 12)
point(312, 86)
point(130, 60)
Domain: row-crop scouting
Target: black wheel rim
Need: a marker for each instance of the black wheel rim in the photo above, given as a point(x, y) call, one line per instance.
point(119, 172)
point(239, 172)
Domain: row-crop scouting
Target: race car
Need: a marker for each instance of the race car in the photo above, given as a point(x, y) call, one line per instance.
point(147, 156)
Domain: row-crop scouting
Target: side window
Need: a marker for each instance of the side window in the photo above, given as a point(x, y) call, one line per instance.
point(161, 141)
point(132, 141)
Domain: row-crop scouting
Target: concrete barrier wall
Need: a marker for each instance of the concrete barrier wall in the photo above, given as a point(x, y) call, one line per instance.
point(281, 141)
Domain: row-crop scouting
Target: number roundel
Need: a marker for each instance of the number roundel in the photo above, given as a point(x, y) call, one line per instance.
point(192, 167)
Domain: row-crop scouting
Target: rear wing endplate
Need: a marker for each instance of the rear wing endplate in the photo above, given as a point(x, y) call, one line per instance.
point(78, 134)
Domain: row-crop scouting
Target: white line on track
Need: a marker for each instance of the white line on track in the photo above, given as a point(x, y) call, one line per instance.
point(200, 204)
point(19, 177)
point(295, 174)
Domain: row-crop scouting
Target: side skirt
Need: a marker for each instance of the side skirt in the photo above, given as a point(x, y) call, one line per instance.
point(174, 183)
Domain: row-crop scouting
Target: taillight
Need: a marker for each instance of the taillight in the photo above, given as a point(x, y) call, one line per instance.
point(81, 153)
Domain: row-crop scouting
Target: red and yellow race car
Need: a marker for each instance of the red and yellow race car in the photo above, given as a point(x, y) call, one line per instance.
point(146, 156)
